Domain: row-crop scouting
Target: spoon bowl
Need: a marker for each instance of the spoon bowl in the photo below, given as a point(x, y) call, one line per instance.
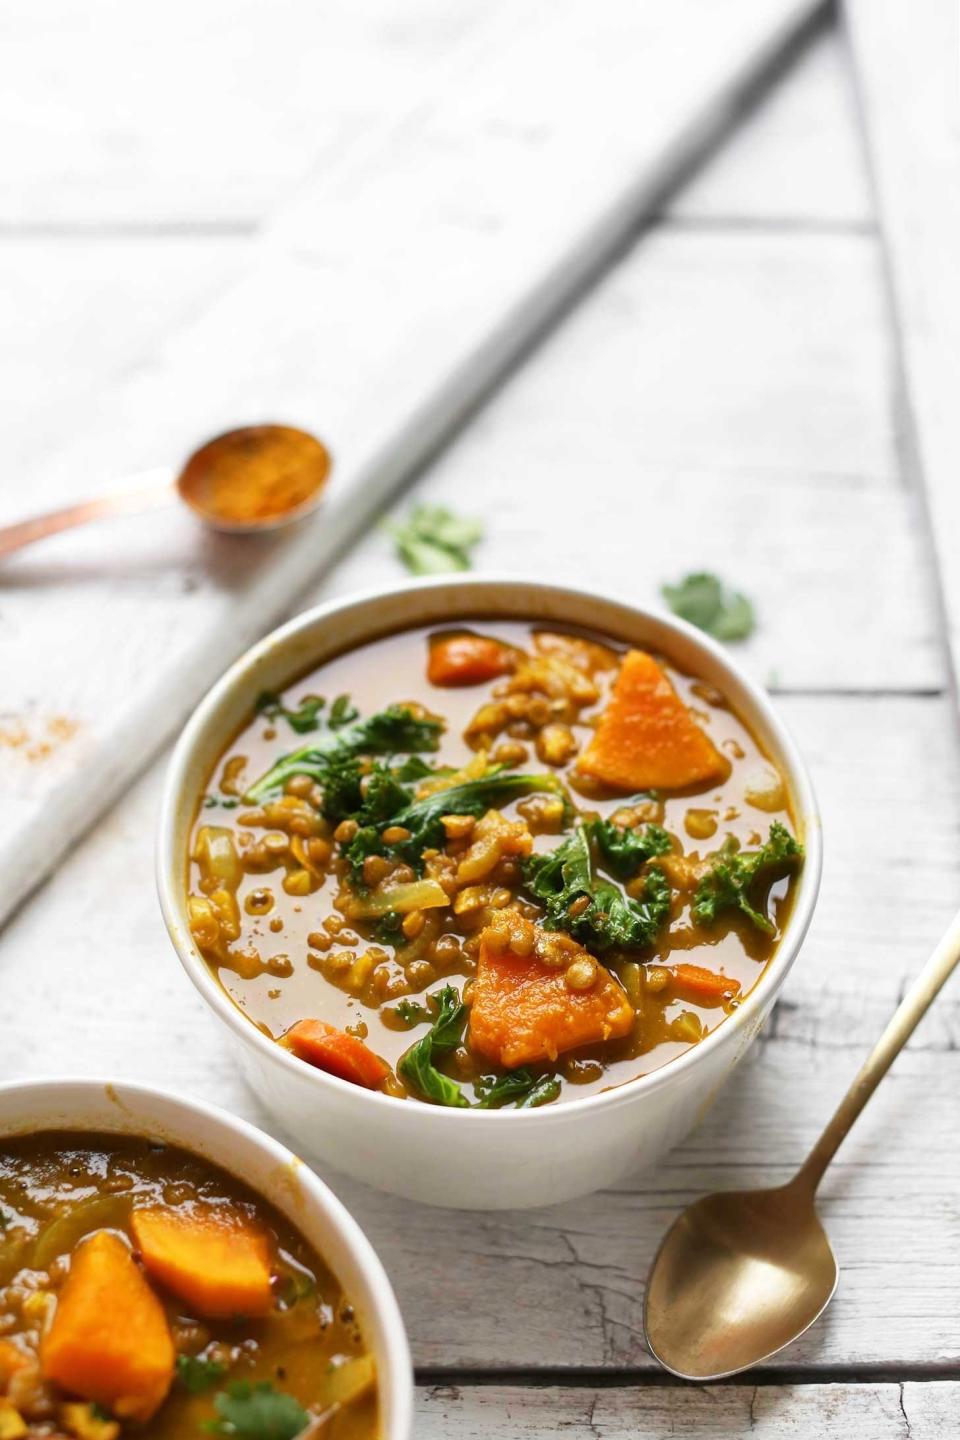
point(738, 1276)
point(741, 1274)
point(255, 478)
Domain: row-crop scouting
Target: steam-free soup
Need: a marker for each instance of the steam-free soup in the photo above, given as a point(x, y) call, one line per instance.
point(500, 864)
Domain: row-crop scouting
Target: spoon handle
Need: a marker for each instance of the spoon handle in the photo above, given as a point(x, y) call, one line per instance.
point(904, 1021)
point(156, 489)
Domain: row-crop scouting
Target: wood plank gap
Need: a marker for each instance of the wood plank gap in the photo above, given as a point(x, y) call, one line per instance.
point(768, 224)
point(613, 1378)
point(199, 229)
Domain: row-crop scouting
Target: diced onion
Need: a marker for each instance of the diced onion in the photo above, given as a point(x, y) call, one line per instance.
point(400, 899)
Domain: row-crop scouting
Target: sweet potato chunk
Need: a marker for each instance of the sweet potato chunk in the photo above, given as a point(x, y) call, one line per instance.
point(646, 737)
point(467, 659)
point(213, 1260)
point(523, 1011)
point(109, 1341)
point(335, 1051)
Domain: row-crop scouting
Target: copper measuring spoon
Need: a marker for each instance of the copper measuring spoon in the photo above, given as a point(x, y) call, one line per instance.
point(743, 1273)
point(242, 482)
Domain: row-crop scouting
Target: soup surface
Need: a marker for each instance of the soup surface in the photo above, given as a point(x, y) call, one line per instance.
point(143, 1290)
point(492, 865)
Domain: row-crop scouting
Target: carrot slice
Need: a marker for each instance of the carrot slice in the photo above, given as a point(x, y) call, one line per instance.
point(467, 659)
point(707, 986)
point(646, 736)
point(335, 1051)
point(109, 1341)
point(522, 1011)
point(213, 1260)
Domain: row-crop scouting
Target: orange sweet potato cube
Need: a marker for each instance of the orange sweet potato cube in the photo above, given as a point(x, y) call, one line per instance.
point(217, 1263)
point(522, 1011)
point(646, 737)
point(109, 1341)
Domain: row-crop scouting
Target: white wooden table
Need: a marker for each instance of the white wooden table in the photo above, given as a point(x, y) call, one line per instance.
point(721, 398)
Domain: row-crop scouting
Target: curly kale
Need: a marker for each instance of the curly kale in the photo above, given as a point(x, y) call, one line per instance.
point(424, 818)
point(736, 876)
point(623, 851)
point(563, 879)
point(393, 731)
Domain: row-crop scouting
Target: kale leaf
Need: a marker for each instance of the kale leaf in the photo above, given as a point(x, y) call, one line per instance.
point(257, 1412)
point(418, 1066)
point(735, 874)
point(395, 730)
point(305, 718)
point(610, 920)
point(432, 540)
point(424, 818)
point(623, 850)
point(703, 599)
point(520, 1086)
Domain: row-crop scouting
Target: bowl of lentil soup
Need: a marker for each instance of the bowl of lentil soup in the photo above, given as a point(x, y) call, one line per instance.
point(166, 1268)
point(492, 881)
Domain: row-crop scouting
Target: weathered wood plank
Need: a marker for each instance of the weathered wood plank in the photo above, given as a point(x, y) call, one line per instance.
point(906, 67)
point(797, 157)
point(380, 346)
point(884, 1411)
point(254, 114)
point(564, 1286)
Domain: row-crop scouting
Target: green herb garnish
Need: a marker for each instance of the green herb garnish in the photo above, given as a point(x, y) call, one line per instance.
point(424, 818)
point(418, 1067)
point(432, 540)
point(257, 1412)
point(411, 1012)
point(520, 1086)
point(735, 873)
point(623, 851)
point(197, 1374)
point(563, 878)
point(395, 730)
point(305, 718)
point(702, 599)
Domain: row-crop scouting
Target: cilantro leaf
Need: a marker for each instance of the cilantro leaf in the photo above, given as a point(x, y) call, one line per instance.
point(703, 599)
point(257, 1412)
point(197, 1374)
point(734, 874)
point(562, 878)
point(433, 540)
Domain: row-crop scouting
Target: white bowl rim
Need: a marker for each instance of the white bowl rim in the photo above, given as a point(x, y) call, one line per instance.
point(315, 1190)
point(629, 1091)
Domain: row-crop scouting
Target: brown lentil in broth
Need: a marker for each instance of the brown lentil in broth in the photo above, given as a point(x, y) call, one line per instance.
point(296, 957)
point(58, 1188)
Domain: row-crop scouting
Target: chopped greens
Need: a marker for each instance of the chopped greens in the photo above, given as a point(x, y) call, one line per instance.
point(305, 718)
point(395, 730)
point(417, 1066)
point(342, 712)
point(563, 878)
point(623, 851)
point(197, 1374)
point(257, 1412)
point(703, 599)
point(424, 818)
point(736, 873)
point(411, 1012)
point(432, 540)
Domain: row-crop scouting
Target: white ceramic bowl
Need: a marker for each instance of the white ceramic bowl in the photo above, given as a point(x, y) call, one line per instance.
point(486, 1159)
point(29, 1106)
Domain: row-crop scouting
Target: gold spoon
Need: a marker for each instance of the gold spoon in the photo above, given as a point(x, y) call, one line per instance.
point(741, 1274)
point(246, 480)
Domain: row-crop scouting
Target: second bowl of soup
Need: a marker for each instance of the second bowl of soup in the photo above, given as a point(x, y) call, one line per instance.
point(474, 871)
